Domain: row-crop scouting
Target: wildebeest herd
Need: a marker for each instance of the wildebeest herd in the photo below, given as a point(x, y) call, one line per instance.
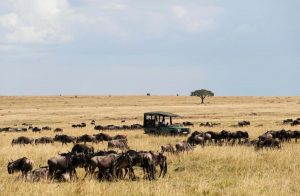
point(112, 165)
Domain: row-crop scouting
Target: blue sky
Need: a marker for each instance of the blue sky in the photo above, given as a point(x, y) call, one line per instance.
point(50, 47)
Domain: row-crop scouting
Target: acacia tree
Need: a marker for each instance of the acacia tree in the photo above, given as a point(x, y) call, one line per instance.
point(203, 93)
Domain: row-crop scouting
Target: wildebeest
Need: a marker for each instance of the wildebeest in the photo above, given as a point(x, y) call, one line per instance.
point(238, 135)
point(159, 160)
point(295, 123)
point(265, 136)
point(38, 174)
point(67, 162)
point(23, 164)
point(93, 122)
point(243, 123)
point(196, 138)
point(167, 148)
point(268, 143)
point(64, 139)
point(99, 127)
point(287, 121)
point(119, 137)
point(44, 140)
point(81, 125)
point(136, 126)
point(100, 137)
point(218, 136)
point(121, 144)
point(22, 140)
point(183, 146)
point(36, 129)
point(82, 148)
point(104, 165)
point(58, 130)
point(187, 123)
point(46, 128)
point(86, 138)
point(123, 162)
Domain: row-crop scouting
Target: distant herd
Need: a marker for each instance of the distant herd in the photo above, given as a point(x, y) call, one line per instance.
point(114, 166)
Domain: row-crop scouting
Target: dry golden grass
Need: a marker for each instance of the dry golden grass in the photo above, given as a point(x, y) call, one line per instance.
point(215, 170)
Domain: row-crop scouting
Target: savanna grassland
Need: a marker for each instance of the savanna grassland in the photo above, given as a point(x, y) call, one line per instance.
point(214, 170)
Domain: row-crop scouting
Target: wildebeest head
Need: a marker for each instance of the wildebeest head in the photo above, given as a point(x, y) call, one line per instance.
point(11, 167)
point(79, 160)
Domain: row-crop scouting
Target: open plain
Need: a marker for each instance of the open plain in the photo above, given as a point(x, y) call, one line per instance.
point(213, 170)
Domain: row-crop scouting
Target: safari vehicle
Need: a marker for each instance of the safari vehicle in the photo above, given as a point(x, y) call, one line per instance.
point(156, 123)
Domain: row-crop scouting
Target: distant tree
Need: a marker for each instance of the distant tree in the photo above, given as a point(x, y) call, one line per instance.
point(203, 93)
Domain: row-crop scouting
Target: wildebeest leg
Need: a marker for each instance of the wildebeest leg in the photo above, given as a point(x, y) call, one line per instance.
point(161, 166)
point(75, 173)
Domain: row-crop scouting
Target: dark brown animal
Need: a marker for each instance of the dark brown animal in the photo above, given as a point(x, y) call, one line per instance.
point(22, 140)
point(23, 164)
point(44, 140)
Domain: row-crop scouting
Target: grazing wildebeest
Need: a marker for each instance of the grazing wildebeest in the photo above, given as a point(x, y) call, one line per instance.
point(100, 137)
point(243, 123)
point(99, 127)
point(187, 123)
point(269, 143)
point(81, 125)
point(167, 148)
point(146, 161)
point(82, 148)
point(287, 121)
point(67, 162)
point(22, 140)
point(46, 128)
point(86, 138)
point(218, 136)
point(23, 164)
point(296, 135)
point(123, 161)
point(183, 146)
point(195, 139)
point(136, 126)
point(148, 164)
point(44, 140)
point(121, 144)
point(161, 160)
point(36, 129)
point(104, 165)
point(38, 175)
point(119, 137)
point(64, 139)
point(295, 123)
point(58, 130)
point(266, 136)
point(238, 135)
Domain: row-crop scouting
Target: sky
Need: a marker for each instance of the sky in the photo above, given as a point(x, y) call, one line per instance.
point(132, 47)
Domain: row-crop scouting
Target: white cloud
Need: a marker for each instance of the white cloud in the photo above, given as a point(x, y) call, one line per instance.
point(198, 18)
point(59, 21)
point(34, 21)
